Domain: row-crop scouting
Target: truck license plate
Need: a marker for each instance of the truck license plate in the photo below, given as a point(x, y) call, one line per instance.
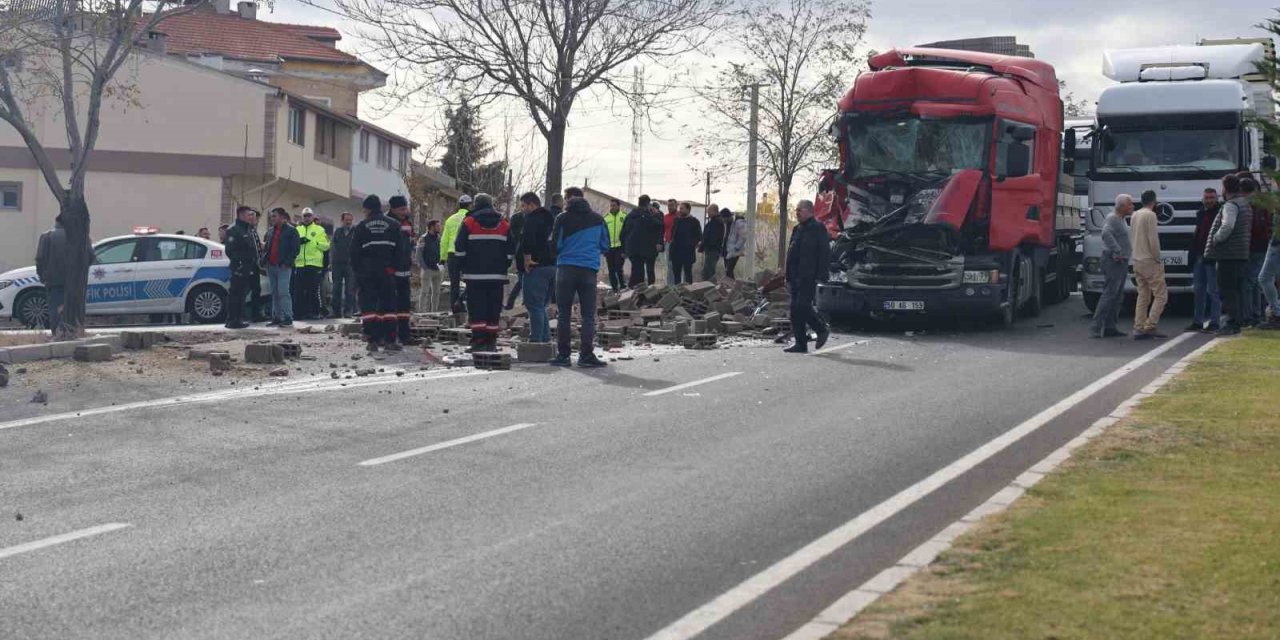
point(904, 305)
point(1174, 258)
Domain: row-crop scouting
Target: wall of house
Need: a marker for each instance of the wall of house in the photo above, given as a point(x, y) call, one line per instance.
point(118, 202)
point(299, 165)
point(300, 78)
point(368, 178)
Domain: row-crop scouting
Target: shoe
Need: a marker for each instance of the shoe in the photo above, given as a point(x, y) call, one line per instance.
point(561, 361)
point(1271, 325)
point(1157, 335)
point(237, 325)
point(1228, 330)
point(1143, 336)
point(1114, 333)
point(273, 323)
point(393, 346)
point(823, 335)
point(1195, 326)
point(411, 342)
point(1211, 328)
point(796, 348)
point(590, 361)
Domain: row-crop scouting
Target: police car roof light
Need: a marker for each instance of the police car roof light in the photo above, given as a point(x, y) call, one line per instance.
point(145, 231)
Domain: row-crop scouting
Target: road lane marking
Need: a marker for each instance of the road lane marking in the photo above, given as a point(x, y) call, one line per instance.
point(300, 386)
point(66, 537)
point(839, 347)
point(446, 444)
point(727, 603)
point(851, 604)
point(687, 385)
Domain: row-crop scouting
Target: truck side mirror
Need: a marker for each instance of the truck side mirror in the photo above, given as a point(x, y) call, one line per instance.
point(1069, 144)
point(1068, 166)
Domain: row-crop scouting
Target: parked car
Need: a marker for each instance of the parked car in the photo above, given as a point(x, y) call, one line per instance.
point(144, 273)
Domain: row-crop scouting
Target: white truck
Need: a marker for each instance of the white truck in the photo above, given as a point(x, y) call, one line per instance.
point(1180, 119)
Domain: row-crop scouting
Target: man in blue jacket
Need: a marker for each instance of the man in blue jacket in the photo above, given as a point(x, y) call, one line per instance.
point(578, 239)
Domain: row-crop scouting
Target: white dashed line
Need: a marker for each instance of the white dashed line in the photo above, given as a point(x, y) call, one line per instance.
point(726, 604)
point(687, 385)
point(839, 347)
point(445, 445)
point(66, 537)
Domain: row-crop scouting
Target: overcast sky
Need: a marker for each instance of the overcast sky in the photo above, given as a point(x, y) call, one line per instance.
point(1070, 35)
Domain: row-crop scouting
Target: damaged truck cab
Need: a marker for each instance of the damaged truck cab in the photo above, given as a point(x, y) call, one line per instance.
point(949, 197)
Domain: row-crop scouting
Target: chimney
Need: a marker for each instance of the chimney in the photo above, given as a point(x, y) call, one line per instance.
point(248, 10)
point(222, 7)
point(157, 42)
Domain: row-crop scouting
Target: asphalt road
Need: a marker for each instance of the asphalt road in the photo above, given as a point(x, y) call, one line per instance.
point(613, 515)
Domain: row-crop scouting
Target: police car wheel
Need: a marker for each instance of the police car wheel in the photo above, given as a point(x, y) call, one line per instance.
point(207, 305)
point(32, 310)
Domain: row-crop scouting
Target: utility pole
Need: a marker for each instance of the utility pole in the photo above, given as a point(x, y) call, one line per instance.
point(708, 200)
point(752, 152)
point(635, 178)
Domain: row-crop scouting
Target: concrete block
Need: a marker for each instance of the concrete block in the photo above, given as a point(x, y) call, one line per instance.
point(25, 353)
point(681, 329)
point(698, 326)
point(491, 360)
point(681, 312)
point(611, 301)
point(662, 336)
point(609, 340)
point(350, 328)
point(136, 340)
point(219, 361)
point(535, 351)
point(699, 290)
point(618, 325)
point(733, 327)
point(651, 295)
point(291, 350)
point(700, 341)
point(669, 301)
point(651, 315)
point(461, 335)
point(263, 354)
point(92, 353)
point(713, 322)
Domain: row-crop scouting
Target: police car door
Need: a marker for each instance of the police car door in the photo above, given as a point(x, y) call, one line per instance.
point(111, 285)
point(164, 270)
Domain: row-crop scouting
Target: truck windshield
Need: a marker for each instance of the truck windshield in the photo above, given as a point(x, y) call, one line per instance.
point(1159, 149)
point(917, 146)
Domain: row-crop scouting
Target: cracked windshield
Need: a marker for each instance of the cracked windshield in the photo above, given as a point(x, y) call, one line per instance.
point(915, 145)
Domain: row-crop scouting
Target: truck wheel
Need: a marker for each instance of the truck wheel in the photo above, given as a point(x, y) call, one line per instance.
point(1035, 303)
point(32, 309)
point(207, 304)
point(1091, 301)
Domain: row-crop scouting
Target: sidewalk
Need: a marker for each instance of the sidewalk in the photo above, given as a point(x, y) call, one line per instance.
point(1164, 526)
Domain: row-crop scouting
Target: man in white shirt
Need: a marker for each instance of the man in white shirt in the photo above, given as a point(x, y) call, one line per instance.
point(1148, 270)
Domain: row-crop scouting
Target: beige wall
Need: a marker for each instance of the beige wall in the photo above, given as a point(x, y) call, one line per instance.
point(299, 165)
point(118, 202)
point(342, 99)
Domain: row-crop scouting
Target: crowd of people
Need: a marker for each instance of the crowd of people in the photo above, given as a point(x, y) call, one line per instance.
point(1235, 259)
point(557, 250)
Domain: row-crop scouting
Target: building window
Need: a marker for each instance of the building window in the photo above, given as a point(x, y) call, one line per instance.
point(384, 153)
point(364, 146)
point(298, 126)
point(402, 160)
point(11, 195)
point(326, 137)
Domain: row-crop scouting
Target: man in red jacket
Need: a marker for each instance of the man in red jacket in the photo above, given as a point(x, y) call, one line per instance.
point(668, 225)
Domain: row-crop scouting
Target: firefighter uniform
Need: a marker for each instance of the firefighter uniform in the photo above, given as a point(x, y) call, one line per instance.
point(404, 297)
point(484, 250)
point(377, 245)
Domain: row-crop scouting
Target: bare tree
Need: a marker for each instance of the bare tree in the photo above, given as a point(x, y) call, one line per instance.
point(1072, 107)
point(804, 54)
point(63, 56)
point(542, 53)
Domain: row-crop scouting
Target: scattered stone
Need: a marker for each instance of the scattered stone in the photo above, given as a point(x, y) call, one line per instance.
point(40, 397)
point(333, 374)
point(20, 371)
point(356, 356)
point(399, 374)
point(279, 372)
point(364, 372)
point(219, 361)
point(263, 354)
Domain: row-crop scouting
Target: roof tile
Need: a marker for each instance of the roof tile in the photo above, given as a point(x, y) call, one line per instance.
point(203, 31)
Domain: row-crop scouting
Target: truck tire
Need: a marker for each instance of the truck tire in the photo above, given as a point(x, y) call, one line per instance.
point(1091, 301)
point(32, 309)
point(207, 304)
point(1035, 302)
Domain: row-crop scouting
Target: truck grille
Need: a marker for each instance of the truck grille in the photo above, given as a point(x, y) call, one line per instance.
point(898, 273)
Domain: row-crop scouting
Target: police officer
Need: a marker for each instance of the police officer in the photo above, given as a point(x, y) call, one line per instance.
point(447, 240)
point(242, 250)
point(376, 247)
point(399, 206)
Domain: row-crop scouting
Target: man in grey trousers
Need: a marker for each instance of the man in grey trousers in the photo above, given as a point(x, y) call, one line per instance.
point(1115, 268)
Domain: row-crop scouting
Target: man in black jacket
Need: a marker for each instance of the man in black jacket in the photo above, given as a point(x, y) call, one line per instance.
point(404, 260)
point(686, 235)
point(808, 263)
point(539, 264)
point(517, 234)
point(343, 298)
point(642, 239)
point(242, 250)
point(280, 252)
point(377, 250)
point(51, 267)
point(429, 264)
point(713, 244)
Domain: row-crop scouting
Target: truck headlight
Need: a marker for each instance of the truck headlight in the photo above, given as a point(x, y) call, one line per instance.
point(5, 284)
point(1093, 265)
point(982, 277)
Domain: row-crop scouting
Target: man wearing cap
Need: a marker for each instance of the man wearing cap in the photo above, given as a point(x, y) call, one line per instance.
point(447, 240)
point(404, 300)
point(377, 249)
point(310, 265)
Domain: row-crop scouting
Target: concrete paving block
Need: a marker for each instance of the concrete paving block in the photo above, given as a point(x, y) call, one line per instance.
point(491, 360)
point(535, 351)
point(699, 290)
point(669, 301)
point(349, 328)
point(219, 361)
point(609, 340)
point(291, 350)
point(650, 315)
point(92, 353)
point(25, 353)
point(263, 354)
point(700, 341)
point(698, 326)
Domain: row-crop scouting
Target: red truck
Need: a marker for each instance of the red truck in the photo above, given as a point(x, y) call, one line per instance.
point(949, 199)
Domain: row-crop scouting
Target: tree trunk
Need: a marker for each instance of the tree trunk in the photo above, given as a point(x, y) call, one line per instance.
point(783, 196)
point(555, 157)
point(75, 219)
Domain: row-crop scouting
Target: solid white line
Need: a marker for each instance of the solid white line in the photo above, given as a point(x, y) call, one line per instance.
point(446, 444)
point(702, 618)
point(839, 347)
point(66, 537)
point(695, 383)
point(299, 386)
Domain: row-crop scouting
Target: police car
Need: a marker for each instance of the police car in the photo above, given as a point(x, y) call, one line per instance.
point(143, 273)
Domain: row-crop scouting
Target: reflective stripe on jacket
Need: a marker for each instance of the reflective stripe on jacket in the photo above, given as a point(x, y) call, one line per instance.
point(311, 253)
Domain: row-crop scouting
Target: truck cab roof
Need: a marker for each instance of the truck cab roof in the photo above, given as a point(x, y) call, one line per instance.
point(1149, 98)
